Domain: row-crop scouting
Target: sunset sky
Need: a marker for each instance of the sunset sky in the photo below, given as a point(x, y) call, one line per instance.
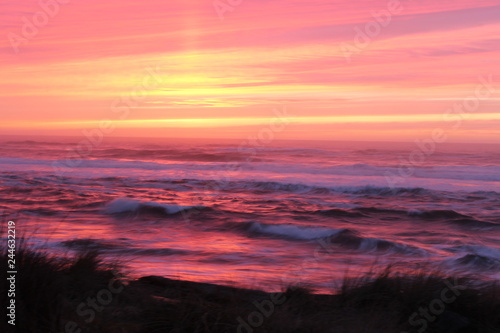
point(342, 70)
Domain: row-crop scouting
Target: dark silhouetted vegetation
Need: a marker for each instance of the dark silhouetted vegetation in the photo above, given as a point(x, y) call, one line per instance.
point(55, 295)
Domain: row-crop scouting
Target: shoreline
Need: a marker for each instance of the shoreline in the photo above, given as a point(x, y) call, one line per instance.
point(85, 294)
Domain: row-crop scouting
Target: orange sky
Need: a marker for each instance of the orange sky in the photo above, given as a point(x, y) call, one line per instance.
point(203, 68)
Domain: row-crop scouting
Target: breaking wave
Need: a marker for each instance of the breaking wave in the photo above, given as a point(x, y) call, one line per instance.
point(123, 205)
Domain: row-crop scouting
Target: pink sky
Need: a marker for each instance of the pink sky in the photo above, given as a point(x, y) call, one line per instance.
point(421, 69)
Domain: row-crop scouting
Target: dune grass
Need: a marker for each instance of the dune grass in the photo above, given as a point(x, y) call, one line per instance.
point(85, 294)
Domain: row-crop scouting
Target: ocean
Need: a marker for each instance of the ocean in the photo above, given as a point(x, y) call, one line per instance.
point(258, 214)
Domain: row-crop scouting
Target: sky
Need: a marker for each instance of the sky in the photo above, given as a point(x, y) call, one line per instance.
point(308, 69)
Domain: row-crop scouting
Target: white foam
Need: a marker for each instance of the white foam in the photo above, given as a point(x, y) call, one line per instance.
point(123, 205)
point(341, 178)
point(293, 231)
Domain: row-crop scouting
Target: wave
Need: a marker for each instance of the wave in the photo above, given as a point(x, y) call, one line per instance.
point(93, 244)
point(479, 262)
point(40, 212)
point(383, 191)
point(476, 256)
point(298, 188)
point(255, 176)
point(336, 212)
point(459, 172)
point(223, 162)
point(126, 205)
point(175, 155)
point(119, 246)
point(437, 214)
point(288, 231)
point(480, 250)
point(345, 238)
point(449, 216)
point(353, 240)
point(365, 190)
point(379, 210)
point(473, 223)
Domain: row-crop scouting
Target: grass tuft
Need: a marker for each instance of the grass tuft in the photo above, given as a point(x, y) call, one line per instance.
point(52, 296)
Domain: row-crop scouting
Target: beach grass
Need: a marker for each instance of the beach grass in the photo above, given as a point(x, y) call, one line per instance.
point(84, 293)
